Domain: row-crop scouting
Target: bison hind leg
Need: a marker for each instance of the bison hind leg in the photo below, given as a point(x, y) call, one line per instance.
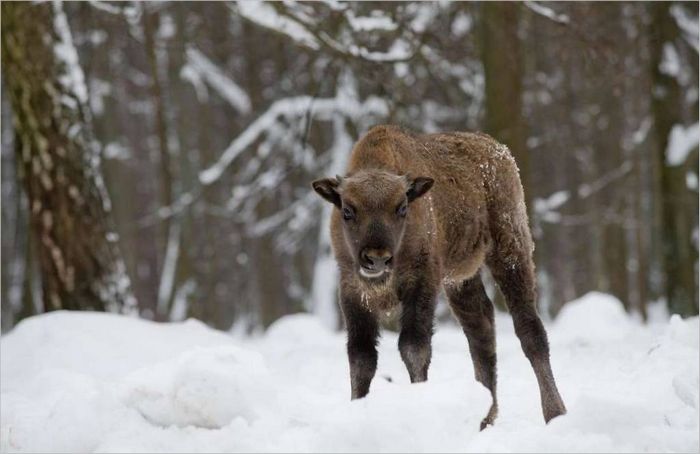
point(515, 275)
point(474, 311)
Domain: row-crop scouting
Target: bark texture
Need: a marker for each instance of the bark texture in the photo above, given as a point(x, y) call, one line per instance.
point(59, 164)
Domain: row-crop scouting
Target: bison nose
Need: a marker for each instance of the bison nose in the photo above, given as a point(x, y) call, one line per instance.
point(376, 259)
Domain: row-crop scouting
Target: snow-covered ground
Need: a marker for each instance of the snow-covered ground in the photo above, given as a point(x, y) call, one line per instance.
point(96, 382)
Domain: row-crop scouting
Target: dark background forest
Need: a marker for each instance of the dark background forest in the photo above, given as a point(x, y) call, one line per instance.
point(207, 121)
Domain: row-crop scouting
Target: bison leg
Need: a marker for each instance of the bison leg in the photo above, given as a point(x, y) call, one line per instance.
point(515, 275)
point(418, 309)
point(474, 310)
point(363, 332)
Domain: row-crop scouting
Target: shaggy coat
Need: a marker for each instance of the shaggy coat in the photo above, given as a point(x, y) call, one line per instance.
point(419, 212)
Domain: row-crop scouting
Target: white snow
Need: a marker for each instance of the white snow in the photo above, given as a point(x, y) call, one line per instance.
point(116, 151)
point(82, 382)
point(691, 181)
point(671, 62)
point(178, 311)
point(554, 201)
point(189, 74)
point(99, 91)
point(297, 25)
point(643, 131)
point(547, 12)
point(462, 24)
point(681, 141)
point(203, 68)
point(167, 276)
point(72, 77)
point(423, 14)
point(545, 208)
point(400, 50)
point(263, 13)
point(687, 23)
point(377, 21)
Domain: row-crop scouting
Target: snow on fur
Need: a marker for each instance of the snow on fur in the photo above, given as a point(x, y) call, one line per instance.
point(84, 382)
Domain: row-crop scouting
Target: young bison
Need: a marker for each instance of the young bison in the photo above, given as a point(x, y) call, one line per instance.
point(395, 245)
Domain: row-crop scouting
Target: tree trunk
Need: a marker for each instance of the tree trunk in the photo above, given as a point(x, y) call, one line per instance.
point(58, 163)
point(169, 227)
point(500, 55)
point(677, 205)
point(503, 70)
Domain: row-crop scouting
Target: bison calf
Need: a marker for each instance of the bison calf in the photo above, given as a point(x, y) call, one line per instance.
point(397, 241)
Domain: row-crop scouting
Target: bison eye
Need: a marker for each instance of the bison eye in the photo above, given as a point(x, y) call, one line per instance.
point(348, 214)
point(401, 210)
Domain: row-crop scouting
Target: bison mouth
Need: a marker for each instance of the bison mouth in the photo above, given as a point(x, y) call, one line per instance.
point(373, 274)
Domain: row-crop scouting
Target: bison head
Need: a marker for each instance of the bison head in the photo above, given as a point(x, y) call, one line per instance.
point(374, 206)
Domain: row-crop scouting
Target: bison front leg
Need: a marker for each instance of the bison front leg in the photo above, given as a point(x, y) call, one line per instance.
point(418, 309)
point(363, 332)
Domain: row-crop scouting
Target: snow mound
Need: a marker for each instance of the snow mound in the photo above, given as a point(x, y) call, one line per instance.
point(109, 346)
point(397, 418)
point(684, 332)
point(203, 387)
point(594, 315)
point(297, 329)
point(88, 382)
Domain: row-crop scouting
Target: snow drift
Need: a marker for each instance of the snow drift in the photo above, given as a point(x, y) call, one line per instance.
point(90, 382)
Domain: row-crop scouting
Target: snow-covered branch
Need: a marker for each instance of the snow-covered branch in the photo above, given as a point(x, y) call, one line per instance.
point(264, 14)
point(229, 90)
point(689, 25)
point(549, 13)
point(545, 209)
point(298, 106)
point(270, 223)
point(131, 11)
point(264, 171)
point(587, 189)
point(292, 22)
point(376, 22)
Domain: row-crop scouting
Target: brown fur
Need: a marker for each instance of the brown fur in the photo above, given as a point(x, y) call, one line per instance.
point(474, 215)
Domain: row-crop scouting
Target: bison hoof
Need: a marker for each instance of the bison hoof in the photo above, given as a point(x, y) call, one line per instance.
point(490, 418)
point(485, 423)
point(554, 411)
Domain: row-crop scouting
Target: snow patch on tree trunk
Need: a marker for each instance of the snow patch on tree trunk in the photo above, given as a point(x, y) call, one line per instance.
point(73, 79)
point(681, 141)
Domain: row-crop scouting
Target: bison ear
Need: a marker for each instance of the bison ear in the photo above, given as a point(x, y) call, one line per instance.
point(328, 189)
point(418, 186)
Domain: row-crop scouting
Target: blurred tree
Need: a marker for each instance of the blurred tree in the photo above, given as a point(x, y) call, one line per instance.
point(501, 57)
point(503, 72)
point(58, 163)
point(674, 66)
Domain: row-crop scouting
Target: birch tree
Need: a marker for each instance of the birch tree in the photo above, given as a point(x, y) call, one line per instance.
point(59, 164)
